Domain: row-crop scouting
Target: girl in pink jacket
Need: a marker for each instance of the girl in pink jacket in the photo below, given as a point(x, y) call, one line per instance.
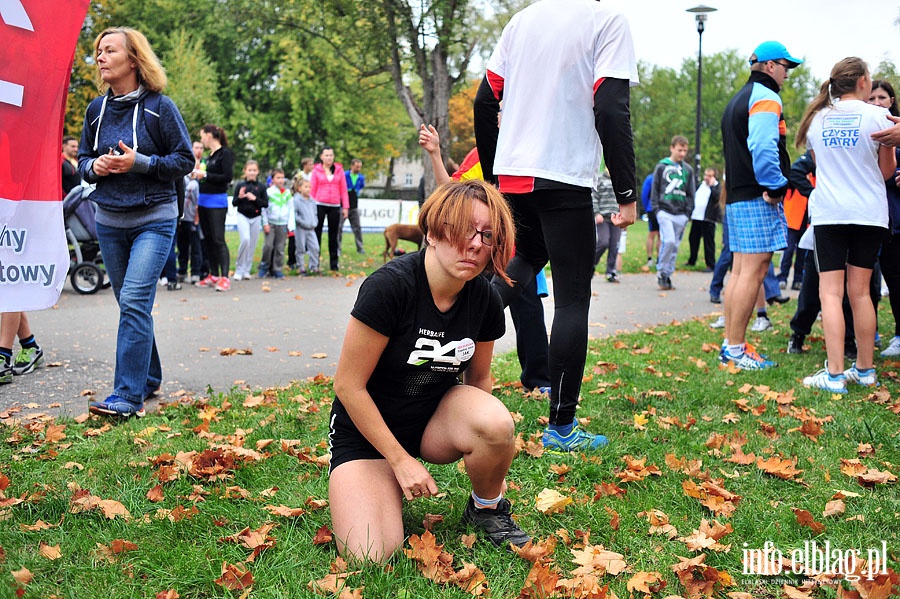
point(329, 188)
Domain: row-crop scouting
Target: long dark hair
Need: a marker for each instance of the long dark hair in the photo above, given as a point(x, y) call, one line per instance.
point(889, 89)
point(216, 132)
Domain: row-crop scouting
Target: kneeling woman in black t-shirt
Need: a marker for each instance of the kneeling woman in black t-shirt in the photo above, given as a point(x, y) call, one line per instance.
point(418, 323)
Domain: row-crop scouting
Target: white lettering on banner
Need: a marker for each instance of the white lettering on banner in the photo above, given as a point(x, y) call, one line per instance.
point(13, 14)
point(11, 93)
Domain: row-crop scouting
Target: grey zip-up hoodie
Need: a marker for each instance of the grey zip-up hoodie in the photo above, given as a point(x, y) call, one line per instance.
point(150, 185)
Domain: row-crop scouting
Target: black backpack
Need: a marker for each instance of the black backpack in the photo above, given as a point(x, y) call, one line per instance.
point(150, 104)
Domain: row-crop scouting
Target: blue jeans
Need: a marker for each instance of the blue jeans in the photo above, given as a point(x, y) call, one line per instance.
point(770, 282)
point(134, 259)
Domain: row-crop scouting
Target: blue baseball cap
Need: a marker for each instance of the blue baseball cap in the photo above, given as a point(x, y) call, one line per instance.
point(767, 51)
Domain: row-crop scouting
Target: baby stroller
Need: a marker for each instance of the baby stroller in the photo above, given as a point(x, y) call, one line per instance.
point(85, 263)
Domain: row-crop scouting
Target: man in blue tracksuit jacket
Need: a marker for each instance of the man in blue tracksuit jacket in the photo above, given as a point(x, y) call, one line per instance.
point(756, 167)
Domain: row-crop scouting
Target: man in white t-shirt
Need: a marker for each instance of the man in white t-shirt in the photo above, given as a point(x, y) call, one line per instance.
point(563, 70)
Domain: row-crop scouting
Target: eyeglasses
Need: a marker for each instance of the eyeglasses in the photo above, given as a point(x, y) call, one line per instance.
point(487, 237)
point(784, 64)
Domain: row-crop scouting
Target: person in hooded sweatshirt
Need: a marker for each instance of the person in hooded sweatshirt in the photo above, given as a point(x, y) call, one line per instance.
point(136, 202)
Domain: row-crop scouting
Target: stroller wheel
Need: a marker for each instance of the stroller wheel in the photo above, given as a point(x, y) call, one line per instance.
point(87, 278)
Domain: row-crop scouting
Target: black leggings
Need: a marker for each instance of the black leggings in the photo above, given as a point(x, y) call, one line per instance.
point(334, 222)
point(212, 223)
point(557, 225)
point(890, 268)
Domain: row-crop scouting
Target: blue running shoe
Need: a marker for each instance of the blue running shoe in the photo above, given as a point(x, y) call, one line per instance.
point(116, 406)
point(577, 440)
point(827, 381)
point(866, 378)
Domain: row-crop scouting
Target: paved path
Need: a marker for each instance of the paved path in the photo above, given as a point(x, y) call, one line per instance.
point(286, 324)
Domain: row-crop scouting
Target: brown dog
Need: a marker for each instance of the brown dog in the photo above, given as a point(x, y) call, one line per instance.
point(394, 233)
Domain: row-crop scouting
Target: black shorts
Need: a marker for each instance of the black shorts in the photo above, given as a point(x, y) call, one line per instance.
point(840, 245)
point(652, 223)
point(348, 444)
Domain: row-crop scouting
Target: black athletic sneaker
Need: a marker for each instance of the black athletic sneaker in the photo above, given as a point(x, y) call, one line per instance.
point(795, 345)
point(27, 360)
point(497, 524)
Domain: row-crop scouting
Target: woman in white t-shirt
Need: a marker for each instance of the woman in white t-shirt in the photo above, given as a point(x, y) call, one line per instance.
point(849, 212)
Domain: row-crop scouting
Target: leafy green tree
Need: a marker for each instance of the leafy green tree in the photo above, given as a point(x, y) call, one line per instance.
point(192, 81)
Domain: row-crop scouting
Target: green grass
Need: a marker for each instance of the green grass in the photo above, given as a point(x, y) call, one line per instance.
point(661, 374)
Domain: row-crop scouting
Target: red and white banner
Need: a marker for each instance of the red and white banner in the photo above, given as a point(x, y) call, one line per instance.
point(38, 46)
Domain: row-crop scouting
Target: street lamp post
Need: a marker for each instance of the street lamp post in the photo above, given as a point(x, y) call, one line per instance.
point(700, 11)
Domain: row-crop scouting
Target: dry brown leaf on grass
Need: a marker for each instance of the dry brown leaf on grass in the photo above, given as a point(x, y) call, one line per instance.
point(316, 504)
point(713, 496)
point(54, 433)
point(698, 579)
point(534, 551)
point(885, 584)
point(471, 580)
point(875, 477)
point(684, 465)
point(49, 552)
point(637, 470)
point(779, 467)
point(111, 553)
point(796, 592)
point(39, 525)
point(155, 495)
point(234, 577)
point(810, 429)
point(540, 583)
point(835, 507)
point(168, 594)
point(431, 559)
point(430, 520)
point(23, 576)
point(560, 470)
point(284, 511)
point(594, 559)
point(550, 501)
point(323, 536)
point(646, 582)
point(331, 584)
point(613, 517)
point(607, 490)
point(708, 536)
point(587, 586)
point(804, 518)
point(659, 523)
point(256, 540)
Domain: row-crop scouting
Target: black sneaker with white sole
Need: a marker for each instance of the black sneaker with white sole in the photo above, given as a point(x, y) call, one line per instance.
point(497, 524)
point(27, 360)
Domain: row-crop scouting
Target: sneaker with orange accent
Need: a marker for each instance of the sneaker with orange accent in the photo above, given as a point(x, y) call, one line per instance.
point(209, 281)
point(749, 359)
point(223, 284)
